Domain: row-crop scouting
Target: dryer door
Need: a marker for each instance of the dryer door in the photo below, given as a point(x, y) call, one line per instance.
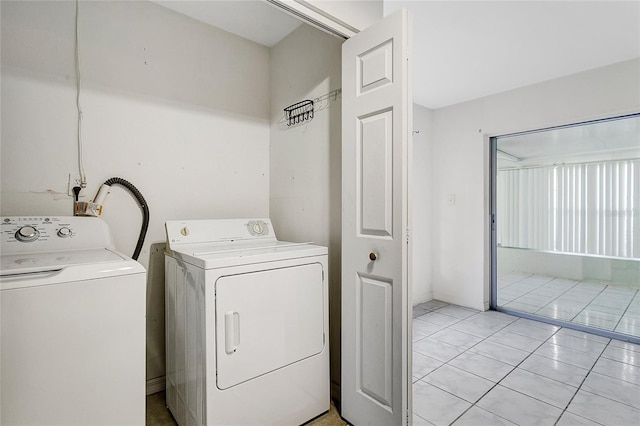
point(266, 320)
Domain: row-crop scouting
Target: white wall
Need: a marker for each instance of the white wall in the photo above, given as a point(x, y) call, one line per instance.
point(421, 204)
point(460, 151)
point(305, 159)
point(178, 108)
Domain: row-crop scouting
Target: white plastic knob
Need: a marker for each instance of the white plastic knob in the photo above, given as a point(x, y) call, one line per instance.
point(27, 234)
point(64, 232)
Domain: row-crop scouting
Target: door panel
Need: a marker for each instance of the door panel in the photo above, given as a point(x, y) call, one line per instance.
point(375, 182)
point(266, 320)
point(376, 388)
point(375, 335)
point(375, 67)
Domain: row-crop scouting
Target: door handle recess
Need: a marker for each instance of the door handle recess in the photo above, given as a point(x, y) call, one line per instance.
point(231, 331)
point(372, 256)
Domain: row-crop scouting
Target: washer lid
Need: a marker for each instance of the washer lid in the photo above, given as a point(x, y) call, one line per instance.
point(24, 271)
point(28, 263)
point(211, 256)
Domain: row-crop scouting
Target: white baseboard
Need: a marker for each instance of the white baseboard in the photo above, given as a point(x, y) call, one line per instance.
point(156, 385)
point(424, 298)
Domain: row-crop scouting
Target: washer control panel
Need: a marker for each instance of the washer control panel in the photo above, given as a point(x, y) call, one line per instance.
point(42, 233)
point(32, 229)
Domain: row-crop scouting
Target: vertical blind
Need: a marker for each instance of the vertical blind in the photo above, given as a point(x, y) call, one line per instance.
point(590, 208)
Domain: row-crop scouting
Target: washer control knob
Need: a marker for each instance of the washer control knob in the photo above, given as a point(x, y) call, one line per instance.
point(26, 234)
point(64, 232)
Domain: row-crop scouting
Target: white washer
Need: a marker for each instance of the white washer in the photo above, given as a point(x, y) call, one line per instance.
point(73, 325)
point(247, 325)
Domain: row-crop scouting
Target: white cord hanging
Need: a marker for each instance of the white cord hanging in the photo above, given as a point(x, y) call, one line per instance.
point(83, 176)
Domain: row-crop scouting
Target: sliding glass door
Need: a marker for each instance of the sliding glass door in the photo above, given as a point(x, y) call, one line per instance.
point(566, 235)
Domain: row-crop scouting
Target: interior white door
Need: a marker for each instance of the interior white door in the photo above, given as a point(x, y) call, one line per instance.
point(376, 131)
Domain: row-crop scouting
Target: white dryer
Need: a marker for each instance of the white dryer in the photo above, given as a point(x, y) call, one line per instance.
point(246, 323)
point(73, 325)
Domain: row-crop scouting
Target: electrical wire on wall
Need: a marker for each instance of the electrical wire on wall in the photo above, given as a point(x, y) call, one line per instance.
point(83, 176)
point(94, 208)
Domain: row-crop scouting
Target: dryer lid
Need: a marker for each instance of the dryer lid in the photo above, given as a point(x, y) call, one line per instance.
point(217, 243)
point(234, 254)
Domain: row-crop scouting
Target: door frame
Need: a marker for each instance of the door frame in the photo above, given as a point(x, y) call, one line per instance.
point(316, 17)
point(493, 220)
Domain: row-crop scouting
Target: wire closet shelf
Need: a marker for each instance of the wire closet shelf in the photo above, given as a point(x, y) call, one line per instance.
point(299, 112)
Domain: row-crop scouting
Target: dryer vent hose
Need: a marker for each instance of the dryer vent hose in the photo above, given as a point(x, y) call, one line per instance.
point(143, 205)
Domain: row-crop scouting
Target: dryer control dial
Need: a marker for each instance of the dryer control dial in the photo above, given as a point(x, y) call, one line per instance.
point(257, 228)
point(26, 234)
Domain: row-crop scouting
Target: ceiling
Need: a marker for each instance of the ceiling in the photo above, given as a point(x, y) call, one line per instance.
point(595, 141)
point(465, 50)
point(470, 49)
point(254, 20)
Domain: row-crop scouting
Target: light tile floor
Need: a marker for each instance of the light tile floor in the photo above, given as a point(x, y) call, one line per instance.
point(489, 368)
point(595, 304)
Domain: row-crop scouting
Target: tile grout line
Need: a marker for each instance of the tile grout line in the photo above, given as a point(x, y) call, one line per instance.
point(599, 294)
point(602, 374)
point(585, 306)
point(582, 383)
point(561, 294)
point(531, 352)
point(496, 383)
point(514, 390)
point(511, 371)
point(473, 404)
point(582, 307)
point(530, 291)
point(551, 301)
point(520, 363)
point(447, 363)
point(626, 309)
point(575, 393)
point(517, 281)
